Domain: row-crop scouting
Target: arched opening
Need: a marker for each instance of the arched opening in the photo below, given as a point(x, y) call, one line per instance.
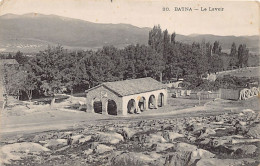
point(97, 106)
point(152, 102)
point(111, 107)
point(131, 106)
point(141, 104)
point(160, 99)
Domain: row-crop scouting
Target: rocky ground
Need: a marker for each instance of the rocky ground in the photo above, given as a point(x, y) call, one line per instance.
point(230, 138)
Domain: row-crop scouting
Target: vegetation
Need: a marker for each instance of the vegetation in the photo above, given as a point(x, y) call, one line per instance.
point(56, 70)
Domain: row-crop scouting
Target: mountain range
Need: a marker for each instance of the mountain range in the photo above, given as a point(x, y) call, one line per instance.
point(33, 32)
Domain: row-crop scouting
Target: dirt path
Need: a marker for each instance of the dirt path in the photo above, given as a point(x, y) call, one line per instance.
point(79, 119)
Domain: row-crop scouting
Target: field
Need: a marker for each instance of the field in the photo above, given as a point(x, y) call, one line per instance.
point(182, 133)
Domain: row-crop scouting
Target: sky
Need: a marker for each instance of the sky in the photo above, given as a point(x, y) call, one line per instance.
point(238, 18)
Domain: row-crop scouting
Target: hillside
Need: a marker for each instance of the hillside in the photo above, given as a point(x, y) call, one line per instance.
point(33, 32)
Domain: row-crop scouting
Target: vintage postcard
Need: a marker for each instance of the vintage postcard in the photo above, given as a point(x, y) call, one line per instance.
point(129, 82)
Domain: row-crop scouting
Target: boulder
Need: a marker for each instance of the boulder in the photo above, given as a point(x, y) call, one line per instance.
point(224, 162)
point(127, 132)
point(100, 148)
point(110, 138)
point(201, 154)
point(174, 135)
point(205, 141)
point(131, 158)
point(16, 151)
point(177, 159)
point(55, 143)
point(254, 131)
point(87, 152)
point(245, 149)
point(85, 139)
point(162, 146)
point(75, 139)
point(206, 132)
point(222, 140)
point(246, 111)
point(153, 138)
point(185, 147)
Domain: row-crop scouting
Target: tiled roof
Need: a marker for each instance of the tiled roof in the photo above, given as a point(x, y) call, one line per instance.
point(133, 86)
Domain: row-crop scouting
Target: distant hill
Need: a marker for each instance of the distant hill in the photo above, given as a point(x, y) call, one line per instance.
point(33, 32)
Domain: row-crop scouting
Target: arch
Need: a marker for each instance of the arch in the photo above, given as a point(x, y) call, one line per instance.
point(141, 104)
point(111, 107)
point(160, 100)
point(131, 106)
point(97, 106)
point(152, 102)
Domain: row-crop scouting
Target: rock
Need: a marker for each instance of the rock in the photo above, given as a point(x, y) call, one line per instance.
point(127, 133)
point(18, 150)
point(195, 127)
point(55, 143)
point(224, 162)
point(205, 141)
point(222, 140)
point(76, 138)
point(111, 138)
point(185, 147)
point(153, 138)
point(245, 111)
point(131, 158)
point(177, 159)
point(63, 148)
point(206, 132)
point(242, 123)
point(87, 152)
point(85, 139)
point(163, 146)
point(245, 149)
point(254, 131)
point(173, 136)
point(201, 154)
point(102, 148)
point(219, 118)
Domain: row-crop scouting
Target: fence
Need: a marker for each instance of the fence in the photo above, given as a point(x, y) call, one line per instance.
point(205, 95)
point(193, 94)
point(229, 94)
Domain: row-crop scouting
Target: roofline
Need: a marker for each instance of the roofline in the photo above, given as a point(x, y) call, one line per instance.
point(93, 88)
point(145, 91)
point(86, 91)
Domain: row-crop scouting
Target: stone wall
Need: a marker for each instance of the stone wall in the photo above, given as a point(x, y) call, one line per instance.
point(103, 94)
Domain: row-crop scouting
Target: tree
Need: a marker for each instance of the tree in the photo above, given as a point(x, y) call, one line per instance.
point(233, 51)
point(29, 84)
point(216, 48)
point(243, 54)
point(20, 58)
point(233, 54)
point(173, 38)
point(13, 80)
point(156, 38)
point(216, 64)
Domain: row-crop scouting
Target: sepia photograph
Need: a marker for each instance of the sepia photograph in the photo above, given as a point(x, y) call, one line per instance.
point(129, 83)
